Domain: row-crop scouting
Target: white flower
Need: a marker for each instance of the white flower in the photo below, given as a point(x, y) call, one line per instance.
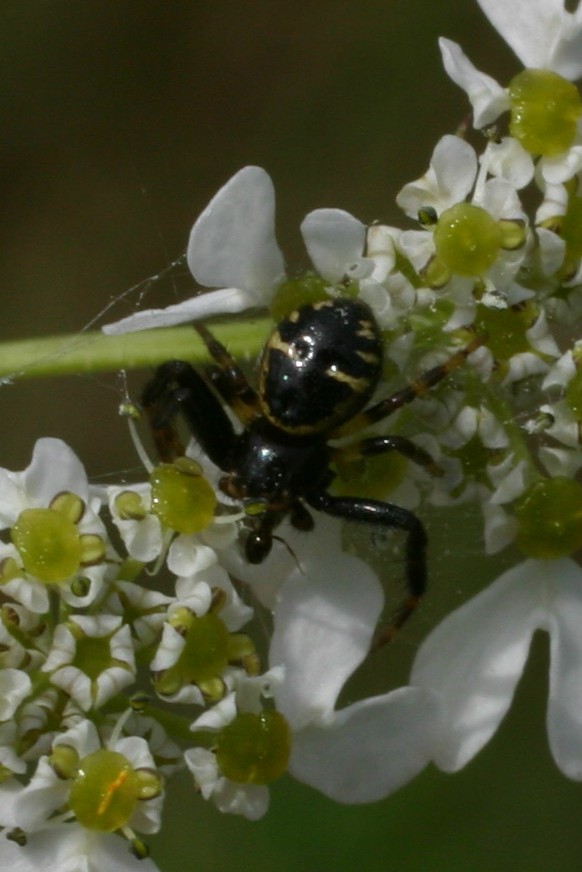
point(54, 839)
point(230, 797)
point(15, 686)
point(144, 610)
point(544, 36)
point(233, 248)
point(324, 622)
point(475, 658)
point(453, 178)
point(139, 528)
point(72, 668)
point(72, 849)
point(57, 533)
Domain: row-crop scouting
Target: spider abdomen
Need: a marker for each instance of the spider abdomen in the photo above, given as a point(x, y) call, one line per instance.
point(320, 366)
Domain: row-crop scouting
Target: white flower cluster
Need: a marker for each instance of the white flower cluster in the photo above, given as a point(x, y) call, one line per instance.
point(83, 754)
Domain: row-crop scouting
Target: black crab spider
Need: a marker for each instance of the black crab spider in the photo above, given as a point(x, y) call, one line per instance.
point(317, 374)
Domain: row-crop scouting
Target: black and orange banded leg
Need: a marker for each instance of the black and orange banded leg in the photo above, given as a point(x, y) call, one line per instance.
point(382, 445)
point(390, 516)
point(229, 380)
point(177, 388)
point(417, 388)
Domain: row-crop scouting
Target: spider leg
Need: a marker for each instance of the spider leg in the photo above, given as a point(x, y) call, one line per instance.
point(229, 379)
point(417, 388)
point(383, 444)
point(177, 388)
point(390, 516)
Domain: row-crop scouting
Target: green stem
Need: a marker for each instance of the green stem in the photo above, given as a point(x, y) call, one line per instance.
point(83, 353)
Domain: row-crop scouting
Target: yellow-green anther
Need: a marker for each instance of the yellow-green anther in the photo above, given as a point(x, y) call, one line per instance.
point(69, 505)
point(93, 549)
point(436, 273)
point(467, 239)
point(150, 783)
point(65, 761)
point(212, 689)
point(9, 569)
point(513, 234)
point(129, 506)
point(182, 499)
point(254, 749)
point(545, 110)
point(48, 543)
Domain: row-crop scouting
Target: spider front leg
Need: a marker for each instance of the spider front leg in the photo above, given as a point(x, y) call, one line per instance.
point(229, 379)
point(382, 445)
point(177, 388)
point(390, 516)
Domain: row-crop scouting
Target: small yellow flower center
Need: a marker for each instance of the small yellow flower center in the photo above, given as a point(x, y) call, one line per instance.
point(48, 543)
point(204, 656)
point(182, 498)
point(545, 109)
point(104, 791)
point(254, 749)
point(550, 519)
point(467, 239)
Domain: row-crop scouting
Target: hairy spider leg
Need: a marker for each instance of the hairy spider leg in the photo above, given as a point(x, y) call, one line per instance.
point(178, 388)
point(382, 445)
point(229, 380)
point(406, 395)
point(390, 516)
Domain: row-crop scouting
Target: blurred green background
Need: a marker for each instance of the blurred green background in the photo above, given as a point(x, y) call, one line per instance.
point(120, 120)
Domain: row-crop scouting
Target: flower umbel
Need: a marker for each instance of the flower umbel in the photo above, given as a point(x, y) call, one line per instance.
point(209, 613)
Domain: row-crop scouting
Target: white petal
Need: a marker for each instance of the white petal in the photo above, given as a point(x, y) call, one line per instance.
point(324, 623)
point(565, 702)
point(371, 748)
point(560, 169)
point(540, 32)
point(334, 240)
point(448, 180)
point(54, 468)
point(500, 199)
point(72, 848)
point(233, 241)
point(488, 99)
point(15, 685)
point(475, 657)
point(509, 160)
point(226, 300)
point(417, 246)
point(12, 498)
